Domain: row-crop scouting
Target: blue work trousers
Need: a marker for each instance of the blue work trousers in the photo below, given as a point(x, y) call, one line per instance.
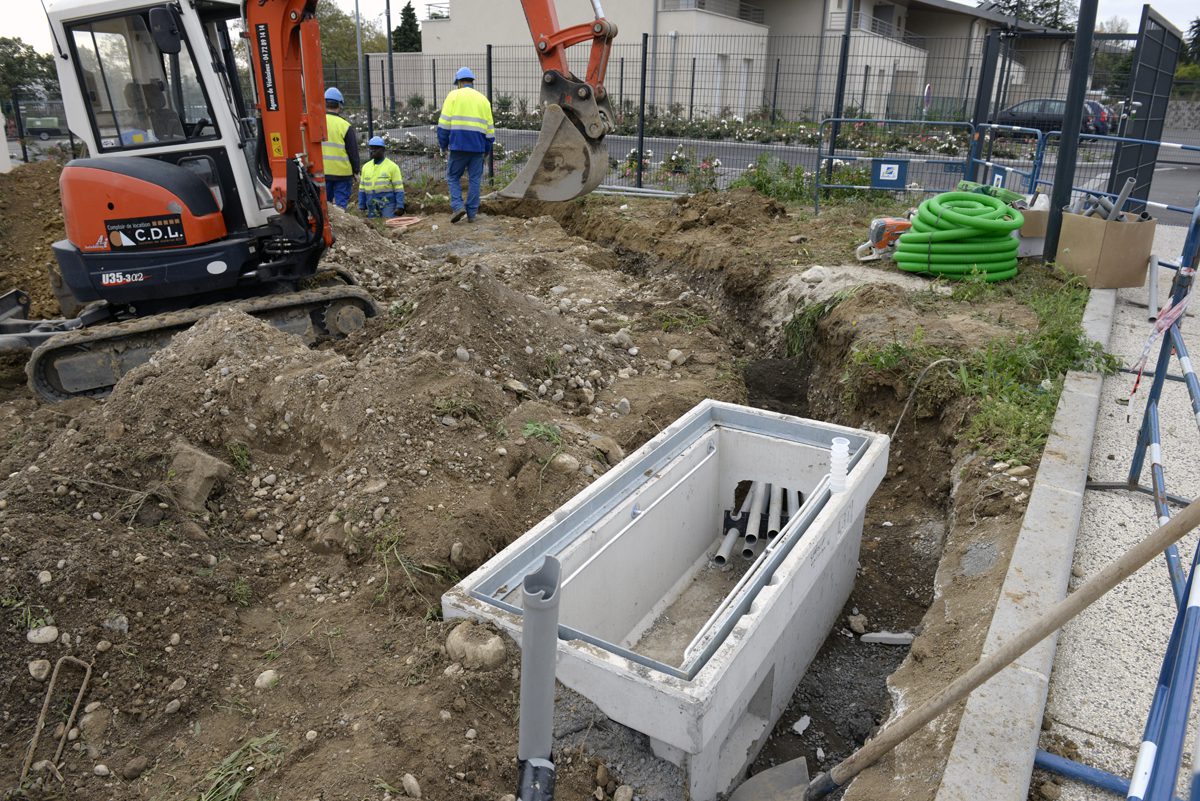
point(337, 188)
point(461, 161)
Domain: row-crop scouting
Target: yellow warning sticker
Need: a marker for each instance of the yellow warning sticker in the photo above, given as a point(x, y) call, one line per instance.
point(277, 145)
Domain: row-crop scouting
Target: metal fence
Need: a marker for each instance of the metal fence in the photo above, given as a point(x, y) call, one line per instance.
point(709, 106)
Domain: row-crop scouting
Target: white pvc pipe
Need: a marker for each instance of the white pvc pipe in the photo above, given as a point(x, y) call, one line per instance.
point(774, 511)
point(839, 464)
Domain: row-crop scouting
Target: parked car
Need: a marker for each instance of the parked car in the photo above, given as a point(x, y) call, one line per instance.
point(1101, 121)
point(43, 127)
point(1043, 113)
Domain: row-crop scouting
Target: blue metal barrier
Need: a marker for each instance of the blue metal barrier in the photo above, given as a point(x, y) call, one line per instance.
point(1150, 204)
point(995, 173)
point(1156, 771)
point(891, 169)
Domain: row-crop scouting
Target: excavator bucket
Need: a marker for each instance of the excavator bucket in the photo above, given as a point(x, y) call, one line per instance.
point(564, 164)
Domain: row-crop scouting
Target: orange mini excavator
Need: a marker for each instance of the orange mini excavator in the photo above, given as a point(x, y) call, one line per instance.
point(203, 185)
point(200, 191)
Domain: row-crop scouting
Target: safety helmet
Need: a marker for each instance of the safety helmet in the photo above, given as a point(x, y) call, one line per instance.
point(334, 94)
point(376, 141)
point(464, 74)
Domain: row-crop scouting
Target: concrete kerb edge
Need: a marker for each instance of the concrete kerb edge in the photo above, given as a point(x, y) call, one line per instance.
point(994, 761)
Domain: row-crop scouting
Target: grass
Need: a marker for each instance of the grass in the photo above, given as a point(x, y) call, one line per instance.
point(458, 407)
point(546, 432)
point(228, 778)
point(1014, 384)
point(685, 319)
point(239, 453)
point(239, 591)
point(387, 546)
point(800, 331)
point(29, 616)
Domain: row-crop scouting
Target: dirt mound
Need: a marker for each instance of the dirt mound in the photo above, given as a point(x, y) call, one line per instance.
point(30, 222)
point(743, 208)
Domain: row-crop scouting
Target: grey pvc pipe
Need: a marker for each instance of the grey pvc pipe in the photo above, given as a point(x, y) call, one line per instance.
point(756, 510)
point(1121, 198)
point(539, 648)
point(731, 536)
point(774, 511)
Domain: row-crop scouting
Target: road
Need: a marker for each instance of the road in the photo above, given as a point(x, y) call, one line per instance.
point(1176, 180)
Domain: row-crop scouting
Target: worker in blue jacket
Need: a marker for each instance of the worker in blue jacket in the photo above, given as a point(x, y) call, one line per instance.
point(380, 186)
point(467, 131)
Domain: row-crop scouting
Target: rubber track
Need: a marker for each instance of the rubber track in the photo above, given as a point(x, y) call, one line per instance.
point(175, 322)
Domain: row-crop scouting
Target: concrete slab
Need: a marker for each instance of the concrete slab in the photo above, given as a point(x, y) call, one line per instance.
point(993, 751)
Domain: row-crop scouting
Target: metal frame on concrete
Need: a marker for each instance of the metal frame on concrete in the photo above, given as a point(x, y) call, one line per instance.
point(1156, 770)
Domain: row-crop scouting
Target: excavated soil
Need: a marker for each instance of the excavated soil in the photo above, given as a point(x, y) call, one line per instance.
point(30, 222)
point(515, 360)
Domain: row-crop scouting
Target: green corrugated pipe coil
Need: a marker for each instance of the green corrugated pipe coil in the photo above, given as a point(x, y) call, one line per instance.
point(961, 235)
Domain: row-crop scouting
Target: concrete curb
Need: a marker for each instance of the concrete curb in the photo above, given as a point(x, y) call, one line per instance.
point(993, 752)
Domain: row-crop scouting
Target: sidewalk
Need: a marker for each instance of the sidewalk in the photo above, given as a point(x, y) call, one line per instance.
point(1107, 663)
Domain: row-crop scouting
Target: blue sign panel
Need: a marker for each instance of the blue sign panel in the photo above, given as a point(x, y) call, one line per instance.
point(889, 173)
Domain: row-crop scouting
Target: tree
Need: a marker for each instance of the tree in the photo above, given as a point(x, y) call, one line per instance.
point(338, 44)
point(1057, 14)
point(1192, 52)
point(406, 38)
point(23, 69)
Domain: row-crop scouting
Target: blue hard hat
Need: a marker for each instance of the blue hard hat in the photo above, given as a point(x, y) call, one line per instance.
point(333, 93)
point(376, 141)
point(464, 74)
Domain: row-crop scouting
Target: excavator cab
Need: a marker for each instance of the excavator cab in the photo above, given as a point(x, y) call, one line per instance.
point(569, 159)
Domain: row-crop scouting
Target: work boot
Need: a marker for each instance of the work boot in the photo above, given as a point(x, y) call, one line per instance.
point(458, 215)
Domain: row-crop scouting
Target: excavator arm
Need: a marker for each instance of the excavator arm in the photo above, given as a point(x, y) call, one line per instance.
point(285, 48)
point(569, 158)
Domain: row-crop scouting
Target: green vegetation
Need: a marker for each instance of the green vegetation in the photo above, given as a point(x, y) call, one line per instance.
point(239, 453)
point(1014, 384)
point(799, 332)
point(686, 319)
point(239, 592)
point(546, 432)
point(227, 779)
point(28, 615)
point(458, 407)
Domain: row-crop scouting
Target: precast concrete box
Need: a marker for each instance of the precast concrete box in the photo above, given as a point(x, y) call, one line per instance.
point(699, 657)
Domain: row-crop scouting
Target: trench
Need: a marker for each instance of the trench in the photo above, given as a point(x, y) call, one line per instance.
point(844, 692)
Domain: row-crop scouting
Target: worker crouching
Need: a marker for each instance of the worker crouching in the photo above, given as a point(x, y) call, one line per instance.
point(381, 187)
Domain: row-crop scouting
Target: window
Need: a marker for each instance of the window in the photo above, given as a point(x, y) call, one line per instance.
point(1028, 107)
point(1055, 107)
point(136, 94)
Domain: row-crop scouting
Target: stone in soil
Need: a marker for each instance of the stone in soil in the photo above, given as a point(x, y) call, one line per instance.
point(267, 679)
point(623, 793)
point(42, 635)
point(475, 647)
point(134, 768)
point(39, 669)
point(858, 623)
point(196, 474)
point(411, 787)
point(889, 637)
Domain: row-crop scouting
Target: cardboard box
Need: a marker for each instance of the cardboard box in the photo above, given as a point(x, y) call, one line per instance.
point(1106, 254)
point(1035, 223)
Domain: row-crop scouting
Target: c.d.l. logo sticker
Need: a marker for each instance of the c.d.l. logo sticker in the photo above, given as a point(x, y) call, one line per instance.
point(146, 232)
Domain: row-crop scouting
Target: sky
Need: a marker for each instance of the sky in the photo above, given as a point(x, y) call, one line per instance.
point(27, 21)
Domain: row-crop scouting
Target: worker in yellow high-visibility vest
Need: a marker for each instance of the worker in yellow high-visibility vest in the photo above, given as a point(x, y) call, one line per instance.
point(467, 131)
point(381, 186)
point(340, 150)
